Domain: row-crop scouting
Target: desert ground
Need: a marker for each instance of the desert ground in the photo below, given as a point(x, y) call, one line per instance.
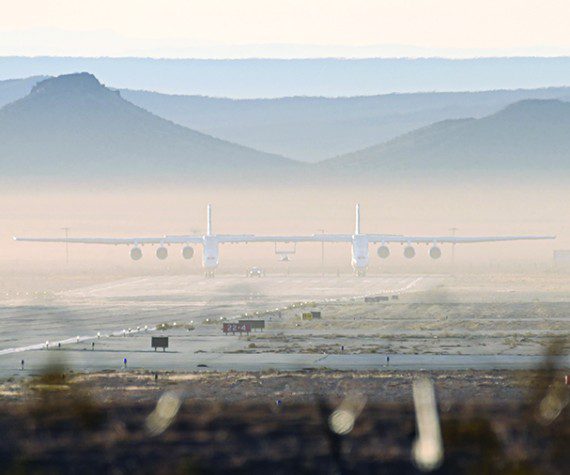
point(283, 422)
point(437, 321)
point(495, 346)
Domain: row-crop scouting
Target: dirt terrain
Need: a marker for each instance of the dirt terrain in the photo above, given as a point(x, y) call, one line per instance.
point(264, 402)
point(277, 422)
point(420, 327)
point(289, 386)
point(437, 321)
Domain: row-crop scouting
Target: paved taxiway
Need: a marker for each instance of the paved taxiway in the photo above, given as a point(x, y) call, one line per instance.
point(209, 354)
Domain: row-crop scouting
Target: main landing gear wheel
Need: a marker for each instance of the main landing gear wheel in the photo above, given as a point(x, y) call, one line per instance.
point(360, 273)
point(209, 274)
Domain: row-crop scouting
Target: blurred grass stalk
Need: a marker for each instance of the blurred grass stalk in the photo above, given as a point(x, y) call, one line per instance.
point(427, 450)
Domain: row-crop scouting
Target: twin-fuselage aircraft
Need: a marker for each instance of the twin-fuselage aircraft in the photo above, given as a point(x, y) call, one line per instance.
point(360, 243)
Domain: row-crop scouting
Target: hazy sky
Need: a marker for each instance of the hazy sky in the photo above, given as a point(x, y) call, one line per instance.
point(234, 28)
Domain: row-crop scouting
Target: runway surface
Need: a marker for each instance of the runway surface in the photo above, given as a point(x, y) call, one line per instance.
point(104, 358)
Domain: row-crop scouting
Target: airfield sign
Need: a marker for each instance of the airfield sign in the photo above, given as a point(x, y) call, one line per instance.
point(236, 328)
point(159, 342)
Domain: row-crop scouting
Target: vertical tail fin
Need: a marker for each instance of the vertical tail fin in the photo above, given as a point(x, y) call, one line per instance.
point(357, 227)
point(209, 218)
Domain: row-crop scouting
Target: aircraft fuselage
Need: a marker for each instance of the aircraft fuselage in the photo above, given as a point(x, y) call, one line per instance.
point(360, 253)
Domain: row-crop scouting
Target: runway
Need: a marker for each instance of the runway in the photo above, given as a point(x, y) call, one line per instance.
point(209, 354)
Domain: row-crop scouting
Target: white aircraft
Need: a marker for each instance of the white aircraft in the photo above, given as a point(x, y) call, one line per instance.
point(360, 243)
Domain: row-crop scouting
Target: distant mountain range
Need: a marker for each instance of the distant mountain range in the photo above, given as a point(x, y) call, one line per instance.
point(329, 77)
point(72, 126)
point(13, 89)
point(313, 128)
point(530, 136)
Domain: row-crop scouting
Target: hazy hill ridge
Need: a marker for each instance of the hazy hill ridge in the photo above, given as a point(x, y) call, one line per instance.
point(315, 128)
point(73, 126)
point(528, 136)
point(330, 77)
point(13, 89)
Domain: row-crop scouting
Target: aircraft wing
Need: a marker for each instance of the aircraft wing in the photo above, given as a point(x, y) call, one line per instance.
point(245, 238)
point(380, 238)
point(134, 241)
point(332, 237)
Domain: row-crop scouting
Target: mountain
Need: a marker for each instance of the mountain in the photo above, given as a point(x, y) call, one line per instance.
point(73, 126)
point(530, 136)
point(330, 77)
point(314, 128)
point(13, 89)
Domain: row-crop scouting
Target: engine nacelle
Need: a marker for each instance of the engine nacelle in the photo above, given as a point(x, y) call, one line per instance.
point(435, 252)
point(187, 252)
point(162, 253)
point(383, 252)
point(136, 254)
point(409, 252)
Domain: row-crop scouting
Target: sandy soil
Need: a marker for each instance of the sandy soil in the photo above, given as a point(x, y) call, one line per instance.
point(412, 326)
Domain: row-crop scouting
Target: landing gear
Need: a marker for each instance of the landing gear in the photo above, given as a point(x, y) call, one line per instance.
point(209, 274)
point(360, 272)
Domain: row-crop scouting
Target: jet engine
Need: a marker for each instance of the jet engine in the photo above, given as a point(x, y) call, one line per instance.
point(409, 252)
point(162, 253)
point(187, 252)
point(435, 252)
point(136, 254)
point(383, 252)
